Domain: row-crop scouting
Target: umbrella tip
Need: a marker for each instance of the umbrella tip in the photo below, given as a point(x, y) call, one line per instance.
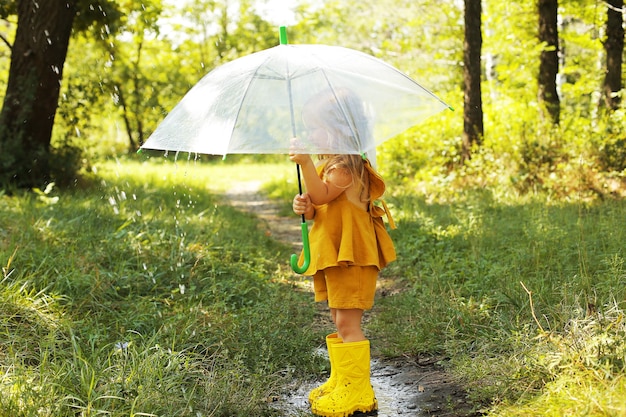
point(283, 35)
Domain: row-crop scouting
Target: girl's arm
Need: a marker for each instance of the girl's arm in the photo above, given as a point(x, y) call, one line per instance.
point(319, 191)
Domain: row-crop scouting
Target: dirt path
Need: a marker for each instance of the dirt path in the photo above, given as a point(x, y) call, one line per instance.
point(403, 387)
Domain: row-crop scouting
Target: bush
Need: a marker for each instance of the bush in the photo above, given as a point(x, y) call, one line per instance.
point(610, 145)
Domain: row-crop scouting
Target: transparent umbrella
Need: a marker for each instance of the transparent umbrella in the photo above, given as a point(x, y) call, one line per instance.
point(258, 103)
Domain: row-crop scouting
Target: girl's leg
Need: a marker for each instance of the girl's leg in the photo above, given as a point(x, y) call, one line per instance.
point(350, 292)
point(348, 322)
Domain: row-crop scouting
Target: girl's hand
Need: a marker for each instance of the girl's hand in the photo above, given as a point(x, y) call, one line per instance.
point(300, 159)
point(302, 205)
point(295, 154)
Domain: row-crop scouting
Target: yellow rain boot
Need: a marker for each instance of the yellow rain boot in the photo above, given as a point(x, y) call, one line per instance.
point(328, 386)
point(354, 391)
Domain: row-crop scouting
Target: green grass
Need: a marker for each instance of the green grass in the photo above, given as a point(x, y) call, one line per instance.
point(467, 266)
point(145, 294)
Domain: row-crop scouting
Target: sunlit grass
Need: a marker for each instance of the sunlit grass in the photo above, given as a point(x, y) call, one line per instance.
point(581, 394)
point(467, 267)
point(188, 171)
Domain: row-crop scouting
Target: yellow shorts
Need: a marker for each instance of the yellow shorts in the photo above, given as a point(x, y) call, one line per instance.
point(346, 287)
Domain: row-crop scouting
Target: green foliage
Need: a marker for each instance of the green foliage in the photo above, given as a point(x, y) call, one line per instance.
point(139, 68)
point(7, 8)
point(133, 65)
point(611, 144)
point(97, 15)
point(422, 41)
point(139, 295)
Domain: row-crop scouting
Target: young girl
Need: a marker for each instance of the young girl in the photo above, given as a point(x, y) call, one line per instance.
point(349, 244)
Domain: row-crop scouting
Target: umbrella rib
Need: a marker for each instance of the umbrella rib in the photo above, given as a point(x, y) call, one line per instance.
point(391, 67)
point(269, 77)
point(343, 111)
point(243, 98)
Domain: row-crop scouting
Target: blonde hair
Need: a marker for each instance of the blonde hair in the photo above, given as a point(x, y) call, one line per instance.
point(355, 165)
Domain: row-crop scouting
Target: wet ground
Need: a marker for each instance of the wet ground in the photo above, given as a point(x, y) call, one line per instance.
point(401, 389)
point(403, 386)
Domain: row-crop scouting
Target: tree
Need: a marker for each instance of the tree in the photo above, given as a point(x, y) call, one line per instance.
point(472, 109)
point(549, 58)
point(30, 103)
point(129, 82)
point(614, 48)
point(35, 74)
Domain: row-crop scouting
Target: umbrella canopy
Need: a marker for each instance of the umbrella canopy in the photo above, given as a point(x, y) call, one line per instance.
point(319, 99)
point(258, 103)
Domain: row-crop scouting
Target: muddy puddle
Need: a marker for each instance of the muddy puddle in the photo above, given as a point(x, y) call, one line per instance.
point(402, 389)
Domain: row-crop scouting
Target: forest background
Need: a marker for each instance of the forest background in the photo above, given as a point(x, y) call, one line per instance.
point(128, 65)
point(531, 198)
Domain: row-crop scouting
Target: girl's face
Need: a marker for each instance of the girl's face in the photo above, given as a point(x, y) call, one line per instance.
point(333, 121)
point(319, 137)
point(317, 134)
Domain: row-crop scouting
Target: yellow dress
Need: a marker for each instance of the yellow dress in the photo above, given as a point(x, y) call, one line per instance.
point(344, 234)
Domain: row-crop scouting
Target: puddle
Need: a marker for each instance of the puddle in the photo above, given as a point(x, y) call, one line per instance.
point(402, 389)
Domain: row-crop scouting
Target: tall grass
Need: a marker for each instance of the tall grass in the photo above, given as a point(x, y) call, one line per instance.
point(146, 294)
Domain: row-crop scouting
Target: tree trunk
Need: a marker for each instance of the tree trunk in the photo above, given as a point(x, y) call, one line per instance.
point(473, 107)
point(549, 59)
point(32, 93)
point(614, 47)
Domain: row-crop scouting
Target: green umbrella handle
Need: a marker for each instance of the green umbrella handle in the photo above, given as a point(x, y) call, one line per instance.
point(307, 252)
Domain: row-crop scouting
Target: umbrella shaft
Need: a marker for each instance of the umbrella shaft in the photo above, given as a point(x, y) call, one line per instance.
point(300, 187)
